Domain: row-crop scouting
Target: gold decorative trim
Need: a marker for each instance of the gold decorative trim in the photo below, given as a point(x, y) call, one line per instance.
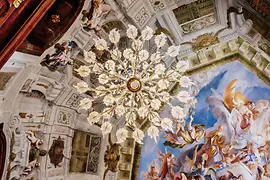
point(204, 40)
point(56, 18)
point(17, 3)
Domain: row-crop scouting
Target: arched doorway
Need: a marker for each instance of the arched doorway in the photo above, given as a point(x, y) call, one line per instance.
point(3, 147)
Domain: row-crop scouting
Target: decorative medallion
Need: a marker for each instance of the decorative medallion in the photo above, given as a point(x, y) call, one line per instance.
point(64, 118)
point(74, 100)
point(56, 19)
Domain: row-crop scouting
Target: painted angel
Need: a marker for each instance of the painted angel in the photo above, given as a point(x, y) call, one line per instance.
point(152, 173)
point(168, 162)
point(235, 112)
point(183, 136)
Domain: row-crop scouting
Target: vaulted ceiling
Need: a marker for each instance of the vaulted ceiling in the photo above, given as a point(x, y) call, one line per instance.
point(40, 97)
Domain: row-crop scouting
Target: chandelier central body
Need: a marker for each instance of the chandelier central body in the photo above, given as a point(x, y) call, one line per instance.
point(134, 84)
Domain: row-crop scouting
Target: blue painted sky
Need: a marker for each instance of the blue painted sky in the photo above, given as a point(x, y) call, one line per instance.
point(248, 83)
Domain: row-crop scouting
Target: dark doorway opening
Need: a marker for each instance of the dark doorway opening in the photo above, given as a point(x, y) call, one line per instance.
point(3, 147)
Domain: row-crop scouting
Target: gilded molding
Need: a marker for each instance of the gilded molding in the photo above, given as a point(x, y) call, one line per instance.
point(17, 3)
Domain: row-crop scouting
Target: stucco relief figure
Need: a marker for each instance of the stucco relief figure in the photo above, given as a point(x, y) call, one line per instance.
point(36, 142)
point(111, 157)
point(236, 19)
point(34, 154)
point(92, 19)
point(62, 55)
point(204, 40)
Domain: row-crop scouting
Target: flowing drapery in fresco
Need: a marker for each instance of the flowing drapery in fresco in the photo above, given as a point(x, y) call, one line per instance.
point(226, 136)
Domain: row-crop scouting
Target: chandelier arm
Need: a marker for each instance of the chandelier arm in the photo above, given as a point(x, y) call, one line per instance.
point(134, 69)
point(110, 110)
point(108, 73)
point(146, 106)
point(146, 69)
point(121, 62)
point(160, 78)
point(121, 98)
point(156, 116)
point(117, 76)
point(150, 64)
point(155, 95)
point(151, 117)
point(95, 90)
point(132, 100)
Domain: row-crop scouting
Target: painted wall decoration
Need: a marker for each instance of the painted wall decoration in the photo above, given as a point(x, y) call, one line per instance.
point(93, 155)
point(226, 135)
point(56, 152)
point(4, 78)
point(85, 155)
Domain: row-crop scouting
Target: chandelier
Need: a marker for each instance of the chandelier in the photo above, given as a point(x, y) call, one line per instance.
point(134, 84)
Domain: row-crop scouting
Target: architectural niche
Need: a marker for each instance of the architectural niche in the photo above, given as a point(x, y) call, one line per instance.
point(56, 151)
point(195, 16)
point(85, 153)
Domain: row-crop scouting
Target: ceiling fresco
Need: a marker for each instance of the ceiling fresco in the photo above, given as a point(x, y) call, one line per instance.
point(220, 139)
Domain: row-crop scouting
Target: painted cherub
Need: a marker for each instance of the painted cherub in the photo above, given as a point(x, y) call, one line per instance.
point(183, 135)
point(152, 173)
point(191, 133)
point(168, 162)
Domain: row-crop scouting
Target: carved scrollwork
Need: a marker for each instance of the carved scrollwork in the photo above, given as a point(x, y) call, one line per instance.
point(14, 122)
point(4, 6)
point(204, 40)
point(157, 5)
point(198, 24)
point(142, 16)
point(93, 156)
